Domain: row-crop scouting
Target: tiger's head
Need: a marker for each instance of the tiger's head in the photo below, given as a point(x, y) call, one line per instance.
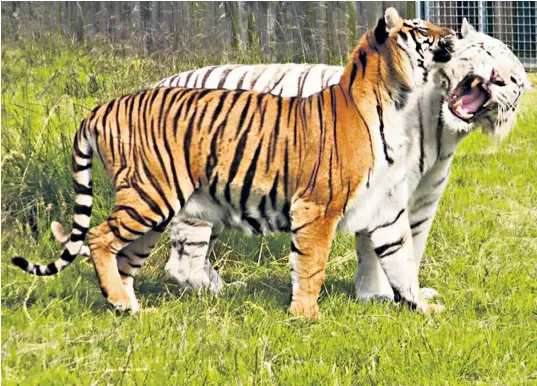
point(415, 46)
point(485, 83)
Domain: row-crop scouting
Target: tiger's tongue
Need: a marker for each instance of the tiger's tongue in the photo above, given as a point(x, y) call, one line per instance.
point(471, 102)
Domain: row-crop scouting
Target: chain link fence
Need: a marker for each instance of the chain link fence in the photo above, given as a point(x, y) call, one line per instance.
point(512, 22)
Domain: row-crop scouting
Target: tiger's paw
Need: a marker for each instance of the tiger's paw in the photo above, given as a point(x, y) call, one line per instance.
point(307, 310)
point(121, 301)
point(431, 308)
point(236, 284)
point(429, 293)
point(376, 297)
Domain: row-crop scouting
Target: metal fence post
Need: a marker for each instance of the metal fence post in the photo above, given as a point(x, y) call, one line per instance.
point(481, 17)
point(426, 15)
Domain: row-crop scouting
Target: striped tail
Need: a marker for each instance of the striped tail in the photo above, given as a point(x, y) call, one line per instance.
point(63, 238)
point(81, 163)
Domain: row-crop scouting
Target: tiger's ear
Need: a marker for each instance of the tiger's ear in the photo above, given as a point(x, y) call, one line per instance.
point(391, 23)
point(466, 28)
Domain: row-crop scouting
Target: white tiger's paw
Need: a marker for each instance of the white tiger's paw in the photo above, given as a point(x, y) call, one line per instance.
point(429, 293)
point(216, 285)
point(377, 297)
point(135, 306)
point(235, 284)
point(197, 283)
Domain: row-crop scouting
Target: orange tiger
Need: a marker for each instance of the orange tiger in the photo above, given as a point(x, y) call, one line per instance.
point(257, 162)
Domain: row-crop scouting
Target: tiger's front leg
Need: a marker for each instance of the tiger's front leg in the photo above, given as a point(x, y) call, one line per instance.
point(422, 212)
point(311, 237)
point(394, 248)
point(370, 280)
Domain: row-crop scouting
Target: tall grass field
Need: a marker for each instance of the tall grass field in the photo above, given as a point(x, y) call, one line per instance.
point(481, 257)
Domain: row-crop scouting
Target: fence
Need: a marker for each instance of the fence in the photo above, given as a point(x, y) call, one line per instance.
point(313, 31)
point(271, 31)
point(513, 22)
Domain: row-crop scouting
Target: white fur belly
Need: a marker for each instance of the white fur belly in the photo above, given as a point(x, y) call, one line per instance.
point(376, 204)
point(202, 206)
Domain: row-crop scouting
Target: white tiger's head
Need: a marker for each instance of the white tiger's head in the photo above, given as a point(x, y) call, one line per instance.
point(485, 81)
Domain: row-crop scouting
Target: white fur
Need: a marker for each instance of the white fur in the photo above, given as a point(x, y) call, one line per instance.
point(84, 199)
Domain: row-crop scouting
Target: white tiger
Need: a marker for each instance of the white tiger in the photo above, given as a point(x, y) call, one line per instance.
point(482, 87)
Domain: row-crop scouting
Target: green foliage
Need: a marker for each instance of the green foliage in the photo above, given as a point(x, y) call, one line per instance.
point(481, 257)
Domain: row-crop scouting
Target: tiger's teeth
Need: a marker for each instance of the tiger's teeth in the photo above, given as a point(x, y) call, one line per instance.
point(461, 113)
point(457, 104)
point(475, 82)
point(487, 103)
point(468, 115)
point(465, 115)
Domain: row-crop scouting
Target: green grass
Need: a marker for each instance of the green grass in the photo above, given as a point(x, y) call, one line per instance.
point(481, 257)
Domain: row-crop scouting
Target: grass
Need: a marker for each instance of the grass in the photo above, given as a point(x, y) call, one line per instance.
point(481, 257)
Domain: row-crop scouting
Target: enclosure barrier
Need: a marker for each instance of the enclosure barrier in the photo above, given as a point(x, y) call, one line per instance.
point(513, 22)
point(277, 31)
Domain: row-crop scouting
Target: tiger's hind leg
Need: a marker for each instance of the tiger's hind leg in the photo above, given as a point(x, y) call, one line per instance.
point(131, 259)
point(105, 246)
point(125, 225)
point(189, 263)
point(312, 233)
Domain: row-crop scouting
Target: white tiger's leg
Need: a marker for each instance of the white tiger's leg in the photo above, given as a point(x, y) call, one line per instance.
point(370, 280)
point(188, 263)
point(394, 248)
point(420, 234)
point(214, 277)
point(421, 219)
point(423, 207)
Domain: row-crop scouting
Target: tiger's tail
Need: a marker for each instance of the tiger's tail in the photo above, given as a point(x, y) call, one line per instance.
point(63, 237)
point(82, 177)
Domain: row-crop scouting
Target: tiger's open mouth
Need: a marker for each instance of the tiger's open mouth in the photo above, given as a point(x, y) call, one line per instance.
point(470, 99)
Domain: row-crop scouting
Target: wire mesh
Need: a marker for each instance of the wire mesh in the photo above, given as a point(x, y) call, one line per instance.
point(512, 22)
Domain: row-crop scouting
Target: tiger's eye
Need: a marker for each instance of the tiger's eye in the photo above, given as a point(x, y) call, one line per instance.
point(496, 78)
